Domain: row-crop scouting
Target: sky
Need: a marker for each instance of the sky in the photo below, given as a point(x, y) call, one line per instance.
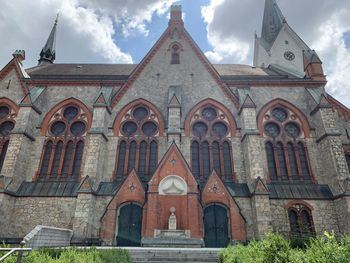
point(123, 31)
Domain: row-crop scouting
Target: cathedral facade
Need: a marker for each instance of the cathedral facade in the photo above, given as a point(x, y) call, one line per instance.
point(110, 151)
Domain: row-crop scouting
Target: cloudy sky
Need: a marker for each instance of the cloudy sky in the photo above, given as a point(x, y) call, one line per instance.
point(122, 31)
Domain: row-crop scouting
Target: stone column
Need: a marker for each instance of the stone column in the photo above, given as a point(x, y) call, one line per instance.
point(332, 161)
point(254, 157)
point(20, 147)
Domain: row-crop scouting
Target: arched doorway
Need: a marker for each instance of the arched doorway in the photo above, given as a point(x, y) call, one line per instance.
point(216, 232)
point(129, 225)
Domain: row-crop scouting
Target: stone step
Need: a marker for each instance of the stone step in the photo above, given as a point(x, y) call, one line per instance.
point(149, 255)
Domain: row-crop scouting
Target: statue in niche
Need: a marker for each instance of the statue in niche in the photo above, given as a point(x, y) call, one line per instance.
point(172, 219)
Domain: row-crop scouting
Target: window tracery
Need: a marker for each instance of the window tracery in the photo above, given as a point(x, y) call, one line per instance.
point(7, 123)
point(301, 222)
point(138, 146)
point(286, 153)
point(63, 149)
point(210, 147)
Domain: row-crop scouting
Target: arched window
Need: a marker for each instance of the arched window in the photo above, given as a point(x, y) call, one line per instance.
point(210, 147)
point(301, 223)
point(347, 156)
point(138, 147)
point(286, 153)
point(175, 55)
point(63, 149)
point(7, 123)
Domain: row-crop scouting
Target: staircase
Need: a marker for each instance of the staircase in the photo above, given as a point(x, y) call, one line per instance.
point(156, 255)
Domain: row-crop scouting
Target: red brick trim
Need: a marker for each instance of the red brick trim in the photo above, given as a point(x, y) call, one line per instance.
point(127, 107)
point(217, 105)
point(285, 104)
point(292, 203)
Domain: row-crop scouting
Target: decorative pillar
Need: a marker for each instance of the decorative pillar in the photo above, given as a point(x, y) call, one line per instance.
point(174, 121)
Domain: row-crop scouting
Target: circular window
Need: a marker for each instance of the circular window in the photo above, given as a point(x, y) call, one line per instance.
point(4, 111)
point(140, 113)
point(279, 114)
point(77, 128)
point(70, 113)
point(149, 128)
point(292, 129)
point(272, 129)
point(6, 127)
point(200, 129)
point(129, 128)
point(289, 55)
point(58, 127)
point(219, 129)
point(209, 114)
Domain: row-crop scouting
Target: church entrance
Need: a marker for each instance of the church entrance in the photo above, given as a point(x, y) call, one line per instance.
point(216, 226)
point(129, 225)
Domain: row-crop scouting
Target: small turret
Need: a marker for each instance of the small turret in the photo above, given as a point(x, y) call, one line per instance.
point(48, 52)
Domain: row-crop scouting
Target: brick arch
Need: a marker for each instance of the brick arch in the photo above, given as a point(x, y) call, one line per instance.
point(292, 203)
point(46, 121)
point(127, 107)
point(175, 43)
point(284, 104)
point(10, 103)
point(216, 104)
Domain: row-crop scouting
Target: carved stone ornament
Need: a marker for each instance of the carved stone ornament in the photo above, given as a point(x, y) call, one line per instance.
point(173, 185)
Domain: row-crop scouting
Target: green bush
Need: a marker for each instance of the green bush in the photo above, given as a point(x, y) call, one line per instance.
point(275, 249)
point(90, 255)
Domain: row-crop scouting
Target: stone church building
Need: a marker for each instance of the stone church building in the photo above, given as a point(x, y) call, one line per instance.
point(234, 151)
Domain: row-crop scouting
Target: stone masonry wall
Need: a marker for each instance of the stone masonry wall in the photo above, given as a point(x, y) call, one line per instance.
point(29, 212)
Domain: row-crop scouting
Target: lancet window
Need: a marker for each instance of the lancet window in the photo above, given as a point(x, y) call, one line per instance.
point(286, 152)
point(175, 54)
point(211, 147)
point(301, 222)
point(138, 144)
point(7, 123)
point(63, 150)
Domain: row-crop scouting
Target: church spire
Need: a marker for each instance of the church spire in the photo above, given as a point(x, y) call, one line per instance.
point(48, 52)
point(272, 22)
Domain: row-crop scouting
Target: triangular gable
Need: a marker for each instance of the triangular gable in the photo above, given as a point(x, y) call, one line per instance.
point(324, 102)
point(174, 102)
point(14, 64)
point(259, 187)
point(202, 58)
point(248, 102)
point(173, 163)
point(86, 186)
point(343, 111)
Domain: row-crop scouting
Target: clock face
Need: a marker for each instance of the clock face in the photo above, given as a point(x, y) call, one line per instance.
point(289, 55)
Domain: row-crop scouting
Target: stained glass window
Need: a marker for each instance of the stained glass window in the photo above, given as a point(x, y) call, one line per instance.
point(292, 161)
point(226, 149)
point(70, 113)
point(282, 161)
point(200, 129)
point(195, 158)
point(68, 155)
point(205, 159)
point(77, 158)
point(272, 129)
point(58, 127)
point(216, 157)
point(6, 127)
point(56, 159)
point(149, 128)
point(175, 58)
point(153, 158)
point(303, 161)
point(132, 156)
point(292, 129)
point(4, 111)
point(209, 113)
point(129, 128)
point(301, 223)
point(142, 159)
point(3, 153)
point(279, 114)
point(121, 158)
point(219, 129)
point(78, 128)
point(347, 156)
point(140, 113)
point(46, 159)
point(271, 161)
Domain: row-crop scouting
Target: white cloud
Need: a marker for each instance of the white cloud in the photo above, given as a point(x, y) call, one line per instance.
point(86, 29)
point(320, 25)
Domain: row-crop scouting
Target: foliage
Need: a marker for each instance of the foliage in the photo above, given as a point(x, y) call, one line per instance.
point(90, 255)
point(275, 249)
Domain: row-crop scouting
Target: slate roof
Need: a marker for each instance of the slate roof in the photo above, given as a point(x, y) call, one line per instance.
point(49, 188)
point(302, 190)
point(122, 71)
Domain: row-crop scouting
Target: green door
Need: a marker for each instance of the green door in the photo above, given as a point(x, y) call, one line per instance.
point(129, 225)
point(215, 226)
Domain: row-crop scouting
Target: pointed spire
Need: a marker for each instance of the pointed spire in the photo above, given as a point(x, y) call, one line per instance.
point(48, 52)
point(272, 22)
